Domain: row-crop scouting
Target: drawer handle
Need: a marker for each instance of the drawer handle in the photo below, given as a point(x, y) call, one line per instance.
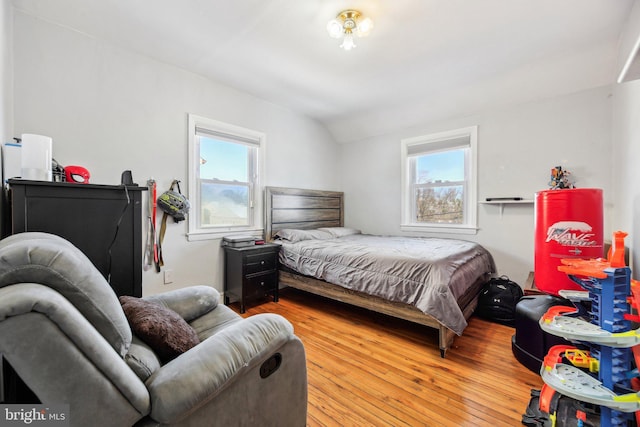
point(262, 262)
point(261, 283)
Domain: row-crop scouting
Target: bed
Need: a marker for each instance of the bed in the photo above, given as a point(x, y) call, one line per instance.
point(385, 274)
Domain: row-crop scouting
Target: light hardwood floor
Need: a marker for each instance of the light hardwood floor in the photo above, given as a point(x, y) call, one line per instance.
point(366, 369)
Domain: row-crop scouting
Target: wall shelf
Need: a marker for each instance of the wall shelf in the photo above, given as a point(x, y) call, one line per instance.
point(502, 203)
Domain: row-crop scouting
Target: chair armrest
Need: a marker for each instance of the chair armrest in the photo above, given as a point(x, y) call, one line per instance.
point(196, 377)
point(190, 303)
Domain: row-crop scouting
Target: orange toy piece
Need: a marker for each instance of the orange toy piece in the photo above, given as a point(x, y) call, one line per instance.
point(546, 395)
point(555, 355)
point(595, 267)
point(634, 301)
point(616, 251)
point(585, 267)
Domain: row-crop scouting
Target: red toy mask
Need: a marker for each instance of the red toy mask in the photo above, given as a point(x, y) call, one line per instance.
point(76, 174)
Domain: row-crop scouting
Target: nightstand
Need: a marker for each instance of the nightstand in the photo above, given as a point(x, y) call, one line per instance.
point(250, 273)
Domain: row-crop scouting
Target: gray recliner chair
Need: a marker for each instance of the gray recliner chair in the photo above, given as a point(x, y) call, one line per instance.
point(64, 332)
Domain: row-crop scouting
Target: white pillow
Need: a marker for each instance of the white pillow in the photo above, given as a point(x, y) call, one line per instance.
point(292, 235)
point(340, 231)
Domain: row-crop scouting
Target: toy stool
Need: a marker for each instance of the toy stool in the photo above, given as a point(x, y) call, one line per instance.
point(530, 343)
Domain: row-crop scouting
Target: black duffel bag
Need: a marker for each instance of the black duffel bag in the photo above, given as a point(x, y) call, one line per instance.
point(498, 299)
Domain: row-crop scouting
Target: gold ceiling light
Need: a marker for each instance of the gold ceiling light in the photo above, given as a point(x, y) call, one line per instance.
point(349, 23)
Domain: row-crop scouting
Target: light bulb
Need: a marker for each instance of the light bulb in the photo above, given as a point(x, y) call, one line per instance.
point(334, 28)
point(347, 43)
point(365, 26)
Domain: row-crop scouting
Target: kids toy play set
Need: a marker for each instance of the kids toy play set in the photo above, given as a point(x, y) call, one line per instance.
point(592, 381)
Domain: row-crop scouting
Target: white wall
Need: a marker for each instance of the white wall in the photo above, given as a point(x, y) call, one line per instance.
point(6, 71)
point(626, 166)
point(109, 110)
point(517, 149)
point(626, 147)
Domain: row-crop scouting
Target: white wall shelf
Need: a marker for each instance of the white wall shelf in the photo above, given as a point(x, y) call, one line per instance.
point(502, 203)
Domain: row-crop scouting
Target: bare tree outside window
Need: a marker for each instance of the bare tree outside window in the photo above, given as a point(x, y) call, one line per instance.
point(439, 187)
point(440, 205)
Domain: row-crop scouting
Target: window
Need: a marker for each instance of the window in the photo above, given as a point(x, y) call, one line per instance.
point(224, 179)
point(439, 182)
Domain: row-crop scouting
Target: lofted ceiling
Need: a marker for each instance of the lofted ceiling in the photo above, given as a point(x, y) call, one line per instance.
point(425, 60)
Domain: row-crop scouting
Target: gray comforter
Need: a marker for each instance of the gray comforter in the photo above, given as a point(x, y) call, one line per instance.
point(428, 273)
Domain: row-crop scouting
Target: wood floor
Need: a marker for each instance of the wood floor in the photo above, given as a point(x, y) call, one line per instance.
point(366, 369)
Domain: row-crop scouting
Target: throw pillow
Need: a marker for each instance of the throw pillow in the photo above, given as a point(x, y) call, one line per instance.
point(168, 334)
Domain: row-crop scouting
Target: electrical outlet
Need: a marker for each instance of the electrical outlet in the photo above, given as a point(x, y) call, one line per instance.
point(168, 277)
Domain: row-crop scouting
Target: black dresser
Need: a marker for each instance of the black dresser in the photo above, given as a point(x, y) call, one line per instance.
point(103, 221)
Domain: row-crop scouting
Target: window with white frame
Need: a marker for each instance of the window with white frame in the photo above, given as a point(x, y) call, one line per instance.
point(225, 167)
point(439, 182)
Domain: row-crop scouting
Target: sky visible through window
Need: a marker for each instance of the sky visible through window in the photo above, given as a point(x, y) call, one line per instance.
point(443, 166)
point(223, 160)
point(223, 203)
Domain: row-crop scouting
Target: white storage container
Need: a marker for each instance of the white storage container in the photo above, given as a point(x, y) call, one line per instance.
point(36, 157)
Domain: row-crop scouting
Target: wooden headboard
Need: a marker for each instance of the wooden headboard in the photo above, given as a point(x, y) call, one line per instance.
point(301, 209)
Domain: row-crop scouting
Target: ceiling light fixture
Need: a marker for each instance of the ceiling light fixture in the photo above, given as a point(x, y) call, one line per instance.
point(349, 23)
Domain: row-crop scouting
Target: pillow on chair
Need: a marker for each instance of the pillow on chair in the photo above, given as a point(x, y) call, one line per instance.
point(168, 334)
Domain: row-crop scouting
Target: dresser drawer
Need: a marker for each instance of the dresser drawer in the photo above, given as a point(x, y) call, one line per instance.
point(259, 263)
point(260, 284)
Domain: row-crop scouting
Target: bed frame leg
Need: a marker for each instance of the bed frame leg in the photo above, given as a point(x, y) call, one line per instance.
point(445, 339)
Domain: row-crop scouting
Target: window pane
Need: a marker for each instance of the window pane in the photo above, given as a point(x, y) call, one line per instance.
point(439, 174)
point(441, 167)
point(442, 205)
point(224, 161)
point(223, 204)
point(225, 176)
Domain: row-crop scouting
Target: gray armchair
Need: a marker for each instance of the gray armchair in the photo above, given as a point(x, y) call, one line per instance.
point(64, 332)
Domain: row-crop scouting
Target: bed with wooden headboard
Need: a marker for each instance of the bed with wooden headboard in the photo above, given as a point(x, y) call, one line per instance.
point(291, 208)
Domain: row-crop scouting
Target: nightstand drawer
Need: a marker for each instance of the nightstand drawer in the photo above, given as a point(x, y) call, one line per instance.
point(260, 284)
point(260, 262)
